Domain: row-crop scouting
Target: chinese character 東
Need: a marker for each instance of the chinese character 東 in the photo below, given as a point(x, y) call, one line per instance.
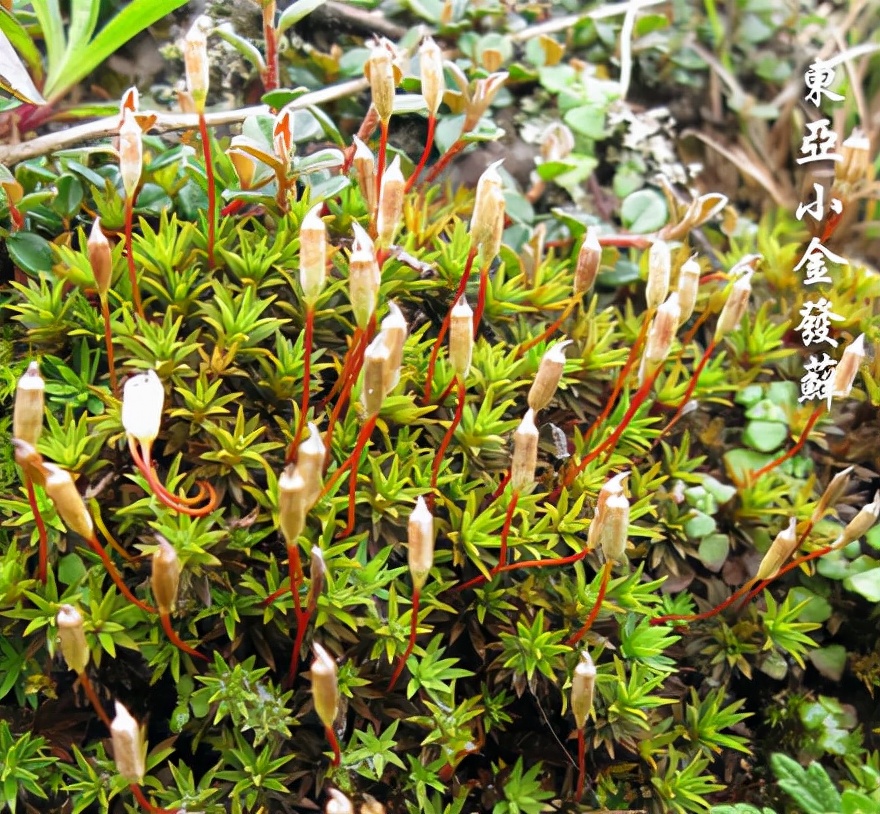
point(818, 79)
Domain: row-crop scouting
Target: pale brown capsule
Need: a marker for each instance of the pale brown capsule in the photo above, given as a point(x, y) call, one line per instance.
point(131, 153)
point(688, 286)
point(100, 258)
point(862, 522)
point(363, 288)
point(69, 504)
point(390, 203)
point(547, 378)
point(659, 267)
point(525, 454)
point(325, 690)
point(431, 73)
point(317, 572)
point(371, 805)
point(129, 747)
point(312, 255)
point(380, 73)
point(27, 411)
point(833, 492)
point(613, 486)
point(27, 457)
point(291, 504)
point(856, 166)
point(735, 308)
point(195, 60)
point(660, 337)
point(394, 331)
point(165, 579)
point(588, 261)
point(847, 369)
point(783, 546)
point(420, 543)
point(583, 687)
point(377, 375)
point(461, 337)
point(487, 222)
point(614, 531)
point(365, 168)
point(310, 465)
point(72, 638)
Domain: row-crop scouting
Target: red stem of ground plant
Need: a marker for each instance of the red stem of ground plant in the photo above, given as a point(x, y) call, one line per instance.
point(302, 625)
point(180, 505)
point(108, 341)
point(307, 373)
point(89, 690)
point(794, 450)
point(413, 632)
point(43, 562)
point(582, 765)
point(380, 158)
point(444, 160)
point(551, 329)
point(129, 254)
point(145, 803)
point(176, 640)
point(697, 617)
point(115, 576)
point(819, 552)
point(363, 438)
point(294, 570)
point(212, 188)
point(270, 76)
point(603, 586)
point(356, 338)
point(502, 552)
point(429, 143)
point(456, 420)
point(334, 745)
point(432, 362)
point(481, 297)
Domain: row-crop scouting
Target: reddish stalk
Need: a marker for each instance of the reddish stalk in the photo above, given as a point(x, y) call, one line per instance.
point(89, 690)
point(502, 552)
point(444, 160)
point(794, 450)
point(270, 75)
point(380, 158)
point(129, 254)
point(145, 803)
point(365, 131)
point(603, 586)
point(481, 296)
point(43, 564)
point(432, 362)
point(429, 143)
point(108, 341)
point(819, 552)
point(500, 490)
point(697, 617)
point(363, 438)
point(307, 373)
point(456, 420)
point(178, 504)
point(368, 429)
point(582, 765)
point(115, 576)
point(176, 640)
point(356, 339)
point(295, 576)
point(551, 329)
point(413, 632)
point(212, 189)
point(334, 745)
point(302, 625)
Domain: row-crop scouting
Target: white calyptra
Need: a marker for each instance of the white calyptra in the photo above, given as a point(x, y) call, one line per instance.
point(420, 543)
point(129, 749)
point(143, 398)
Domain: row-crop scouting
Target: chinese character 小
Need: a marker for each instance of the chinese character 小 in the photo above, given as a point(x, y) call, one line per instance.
point(816, 209)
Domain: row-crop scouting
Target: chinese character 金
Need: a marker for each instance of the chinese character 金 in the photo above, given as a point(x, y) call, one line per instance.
point(817, 381)
point(818, 79)
point(819, 143)
point(816, 322)
point(816, 208)
point(814, 260)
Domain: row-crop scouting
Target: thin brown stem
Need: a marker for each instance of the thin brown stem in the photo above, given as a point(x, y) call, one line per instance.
point(108, 342)
point(363, 439)
point(180, 505)
point(429, 143)
point(334, 745)
point(794, 450)
point(307, 373)
point(603, 587)
point(552, 328)
point(380, 158)
point(413, 632)
point(89, 690)
point(502, 552)
point(176, 640)
point(366, 428)
point(43, 561)
point(697, 617)
point(212, 188)
point(129, 255)
point(444, 160)
point(456, 420)
point(116, 577)
point(481, 296)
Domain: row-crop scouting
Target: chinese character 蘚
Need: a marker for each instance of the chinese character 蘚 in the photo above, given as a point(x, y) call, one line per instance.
point(816, 209)
point(819, 143)
point(818, 378)
point(816, 322)
point(818, 79)
point(814, 259)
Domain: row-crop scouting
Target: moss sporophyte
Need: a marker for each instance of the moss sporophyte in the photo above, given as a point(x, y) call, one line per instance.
point(464, 450)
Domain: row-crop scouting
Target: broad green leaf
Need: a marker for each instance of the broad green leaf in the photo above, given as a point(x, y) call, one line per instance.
point(867, 584)
point(811, 789)
point(30, 252)
point(644, 211)
point(14, 77)
point(296, 12)
point(49, 17)
point(83, 19)
point(244, 46)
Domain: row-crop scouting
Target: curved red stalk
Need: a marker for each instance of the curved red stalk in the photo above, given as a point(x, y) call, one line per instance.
point(551, 329)
point(794, 450)
point(89, 690)
point(43, 566)
point(603, 586)
point(502, 552)
point(108, 341)
point(582, 765)
point(145, 803)
point(212, 188)
point(481, 297)
point(429, 143)
point(302, 625)
point(380, 158)
point(356, 339)
point(362, 440)
point(129, 254)
point(176, 640)
point(819, 552)
point(413, 632)
point(444, 160)
point(456, 420)
point(307, 373)
point(334, 745)
point(115, 576)
point(697, 617)
point(180, 505)
point(331, 482)
point(432, 362)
